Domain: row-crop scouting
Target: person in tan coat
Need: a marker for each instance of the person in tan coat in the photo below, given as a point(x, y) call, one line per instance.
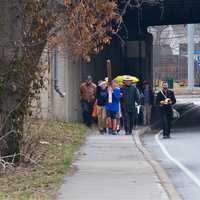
point(88, 97)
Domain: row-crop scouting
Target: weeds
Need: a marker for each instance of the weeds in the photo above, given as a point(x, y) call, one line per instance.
point(49, 147)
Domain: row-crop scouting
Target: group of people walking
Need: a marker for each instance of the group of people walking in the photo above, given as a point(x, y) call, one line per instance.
point(122, 111)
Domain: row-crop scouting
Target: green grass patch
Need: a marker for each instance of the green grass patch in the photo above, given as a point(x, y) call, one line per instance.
point(54, 154)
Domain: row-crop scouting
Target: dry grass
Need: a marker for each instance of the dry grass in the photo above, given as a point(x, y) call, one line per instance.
point(54, 154)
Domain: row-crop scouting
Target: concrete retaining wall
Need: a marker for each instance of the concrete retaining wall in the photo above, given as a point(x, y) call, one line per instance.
point(70, 74)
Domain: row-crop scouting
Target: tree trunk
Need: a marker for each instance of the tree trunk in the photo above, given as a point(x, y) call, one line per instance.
point(17, 68)
point(10, 35)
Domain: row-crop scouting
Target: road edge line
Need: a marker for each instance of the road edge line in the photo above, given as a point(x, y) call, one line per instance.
point(157, 168)
point(185, 170)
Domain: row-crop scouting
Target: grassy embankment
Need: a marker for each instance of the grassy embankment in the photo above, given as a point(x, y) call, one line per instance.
point(54, 153)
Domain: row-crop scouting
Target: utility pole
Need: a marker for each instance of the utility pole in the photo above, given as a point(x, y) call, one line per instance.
point(190, 33)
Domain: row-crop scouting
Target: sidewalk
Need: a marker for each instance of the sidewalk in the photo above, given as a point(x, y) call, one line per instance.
point(111, 168)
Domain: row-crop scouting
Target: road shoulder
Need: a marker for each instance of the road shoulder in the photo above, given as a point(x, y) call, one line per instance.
point(158, 169)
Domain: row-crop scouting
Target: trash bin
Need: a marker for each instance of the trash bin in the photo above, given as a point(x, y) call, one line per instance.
point(170, 82)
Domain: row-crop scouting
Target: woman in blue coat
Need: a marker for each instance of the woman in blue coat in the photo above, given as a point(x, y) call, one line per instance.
point(112, 109)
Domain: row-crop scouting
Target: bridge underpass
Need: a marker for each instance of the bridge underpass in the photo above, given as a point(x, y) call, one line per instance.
point(134, 54)
point(135, 58)
point(179, 155)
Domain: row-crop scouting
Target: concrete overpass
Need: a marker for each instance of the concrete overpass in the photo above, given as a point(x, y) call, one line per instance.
point(135, 55)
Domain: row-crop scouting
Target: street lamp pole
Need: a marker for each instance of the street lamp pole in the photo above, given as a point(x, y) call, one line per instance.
point(190, 31)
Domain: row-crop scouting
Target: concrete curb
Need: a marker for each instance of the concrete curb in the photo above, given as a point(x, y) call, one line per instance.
point(158, 169)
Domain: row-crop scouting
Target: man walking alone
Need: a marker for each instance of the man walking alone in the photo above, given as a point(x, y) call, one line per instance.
point(165, 99)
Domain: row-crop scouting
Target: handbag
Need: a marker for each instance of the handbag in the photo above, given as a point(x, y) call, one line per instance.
point(94, 110)
point(176, 114)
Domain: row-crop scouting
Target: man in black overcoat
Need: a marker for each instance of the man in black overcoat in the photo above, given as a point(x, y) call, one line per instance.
point(165, 99)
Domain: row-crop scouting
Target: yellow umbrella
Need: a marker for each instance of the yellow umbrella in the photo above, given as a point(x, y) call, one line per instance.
point(120, 79)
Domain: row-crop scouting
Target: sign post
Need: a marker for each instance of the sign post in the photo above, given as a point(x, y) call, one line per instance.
point(190, 28)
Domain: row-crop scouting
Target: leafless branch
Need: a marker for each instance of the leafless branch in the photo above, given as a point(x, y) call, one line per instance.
point(7, 134)
point(7, 165)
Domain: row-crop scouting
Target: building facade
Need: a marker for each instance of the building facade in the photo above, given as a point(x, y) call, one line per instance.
point(170, 52)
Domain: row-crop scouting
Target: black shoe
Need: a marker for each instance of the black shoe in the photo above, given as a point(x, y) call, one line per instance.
point(101, 131)
point(114, 133)
point(88, 125)
point(164, 137)
point(168, 136)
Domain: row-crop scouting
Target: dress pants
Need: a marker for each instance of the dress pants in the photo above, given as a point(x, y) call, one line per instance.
point(147, 114)
point(87, 108)
point(129, 118)
point(166, 122)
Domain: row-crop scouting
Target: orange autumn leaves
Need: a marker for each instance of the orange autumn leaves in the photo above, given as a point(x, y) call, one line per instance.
point(90, 24)
point(83, 26)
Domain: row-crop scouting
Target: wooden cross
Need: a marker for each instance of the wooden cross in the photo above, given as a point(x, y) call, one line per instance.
point(109, 75)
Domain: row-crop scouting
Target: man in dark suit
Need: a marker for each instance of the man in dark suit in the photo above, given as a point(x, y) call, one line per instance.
point(165, 99)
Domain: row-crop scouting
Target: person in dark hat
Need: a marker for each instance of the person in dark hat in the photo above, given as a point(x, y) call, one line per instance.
point(130, 96)
point(147, 102)
point(88, 96)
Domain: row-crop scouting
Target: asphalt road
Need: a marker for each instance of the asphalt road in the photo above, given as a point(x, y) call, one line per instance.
point(188, 99)
point(180, 158)
point(180, 155)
